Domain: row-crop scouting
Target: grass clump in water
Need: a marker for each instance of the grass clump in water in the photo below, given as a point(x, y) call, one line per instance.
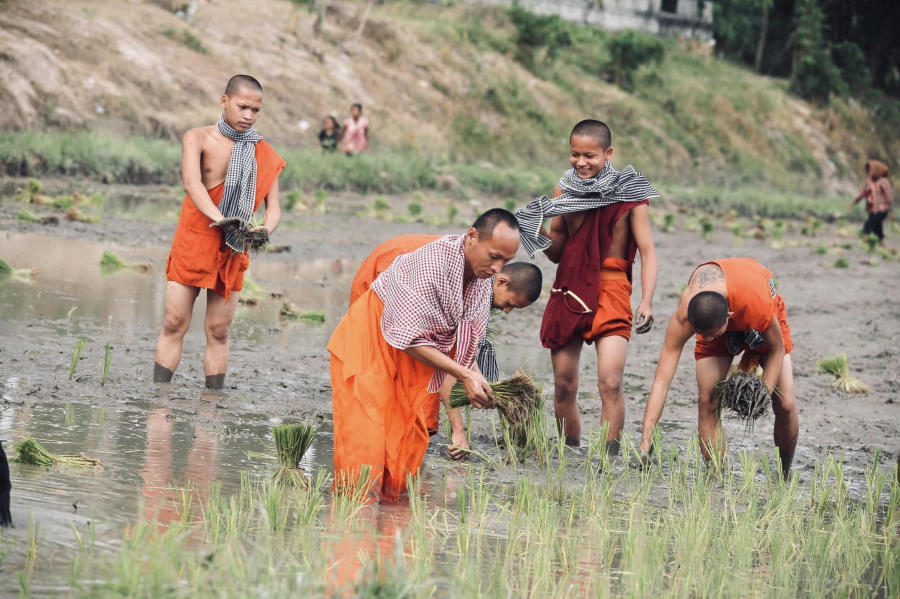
point(31, 452)
point(517, 399)
point(843, 382)
point(292, 442)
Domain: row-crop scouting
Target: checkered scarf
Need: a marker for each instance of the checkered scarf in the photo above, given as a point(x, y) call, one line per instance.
point(608, 187)
point(425, 302)
point(239, 195)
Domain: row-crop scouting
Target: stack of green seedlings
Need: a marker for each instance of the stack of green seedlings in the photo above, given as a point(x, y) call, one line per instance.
point(290, 311)
point(744, 392)
point(110, 264)
point(843, 382)
point(517, 399)
point(32, 452)
point(20, 274)
point(292, 442)
point(25, 216)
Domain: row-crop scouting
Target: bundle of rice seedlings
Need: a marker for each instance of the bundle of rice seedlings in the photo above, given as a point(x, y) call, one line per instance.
point(872, 242)
point(517, 399)
point(8, 272)
point(841, 370)
point(668, 223)
point(77, 215)
point(255, 238)
point(290, 311)
point(706, 229)
point(32, 452)
point(292, 442)
point(110, 263)
point(841, 263)
point(744, 393)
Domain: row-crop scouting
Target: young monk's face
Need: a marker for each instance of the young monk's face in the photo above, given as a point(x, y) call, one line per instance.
point(487, 257)
point(242, 109)
point(504, 297)
point(587, 156)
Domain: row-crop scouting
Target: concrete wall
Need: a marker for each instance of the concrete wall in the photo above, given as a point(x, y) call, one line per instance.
point(615, 15)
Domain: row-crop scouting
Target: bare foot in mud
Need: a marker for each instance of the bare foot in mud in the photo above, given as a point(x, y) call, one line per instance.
point(161, 374)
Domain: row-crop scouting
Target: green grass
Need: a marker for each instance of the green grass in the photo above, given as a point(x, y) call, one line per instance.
point(677, 529)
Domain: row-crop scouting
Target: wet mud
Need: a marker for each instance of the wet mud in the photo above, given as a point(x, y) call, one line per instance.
point(154, 437)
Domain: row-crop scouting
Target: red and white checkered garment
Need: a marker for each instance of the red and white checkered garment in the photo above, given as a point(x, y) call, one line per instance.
point(425, 302)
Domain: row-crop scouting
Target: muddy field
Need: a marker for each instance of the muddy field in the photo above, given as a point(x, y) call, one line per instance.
point(151, 435)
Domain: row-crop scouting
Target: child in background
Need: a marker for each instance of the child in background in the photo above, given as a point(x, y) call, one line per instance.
point(879, 198)
point(355, 133)
point(330, 134)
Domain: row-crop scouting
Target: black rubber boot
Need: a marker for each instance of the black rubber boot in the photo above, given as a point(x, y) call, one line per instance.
point(215, 381)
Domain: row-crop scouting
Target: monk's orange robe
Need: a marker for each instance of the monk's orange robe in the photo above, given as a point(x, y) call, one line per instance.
point(378, 393)
point(754, 303)
point(199, 256)
point(375, 264)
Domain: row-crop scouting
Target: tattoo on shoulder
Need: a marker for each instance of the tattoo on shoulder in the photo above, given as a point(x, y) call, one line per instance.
point(708, 275)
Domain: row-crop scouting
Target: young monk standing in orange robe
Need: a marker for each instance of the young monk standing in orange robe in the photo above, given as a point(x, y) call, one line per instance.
point(732, 306)
point(517, 285)
point(394, 347)
point(228, 171)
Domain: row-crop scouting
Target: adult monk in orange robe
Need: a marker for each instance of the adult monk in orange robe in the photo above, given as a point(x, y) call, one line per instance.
point(228, 171)
point(733, 307)
point(394, 347)
point(517, 285)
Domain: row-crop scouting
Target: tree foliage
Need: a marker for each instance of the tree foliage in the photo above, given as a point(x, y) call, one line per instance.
point(630, 50)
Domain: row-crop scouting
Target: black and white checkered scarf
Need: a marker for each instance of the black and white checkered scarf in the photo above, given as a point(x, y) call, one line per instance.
point(608, 187)
point(239, 195)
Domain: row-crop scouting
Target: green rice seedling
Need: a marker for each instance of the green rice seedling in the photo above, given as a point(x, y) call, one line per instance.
point(110, 264)
point(350, 496)
point(76, 215)
point(517, 399)
point(292, 442)
point(293, 200)
point(706, 229)
point(872, 242)
point(841, 263)
point(19, 274)
point(25, 216)
point(778, 230)
point(668, 223)
point(290, 311)
point(415, 210)
point(31, 452)
point(380, 205)
point(843, 382)
point(321, 196)
point(821, 250)
point(76, 355)
point(316, 316)
point(31, 189)
point(107, 360)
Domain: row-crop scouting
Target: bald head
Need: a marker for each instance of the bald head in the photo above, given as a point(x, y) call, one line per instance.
point(708, 311)
point(525, 279)
point(488, 221)
point(242, 81)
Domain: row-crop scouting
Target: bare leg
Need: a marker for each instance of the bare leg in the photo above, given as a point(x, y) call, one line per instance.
point(219, 314)
point(787, 425)
point(611, 353)
point(565, 390)
point(710, 371)
point(179, 305)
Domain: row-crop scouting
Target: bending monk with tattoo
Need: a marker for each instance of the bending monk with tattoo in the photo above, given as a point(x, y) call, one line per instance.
point(732, 306)
point(228, 171)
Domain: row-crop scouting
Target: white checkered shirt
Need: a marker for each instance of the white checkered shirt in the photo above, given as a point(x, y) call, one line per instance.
point(425, 302)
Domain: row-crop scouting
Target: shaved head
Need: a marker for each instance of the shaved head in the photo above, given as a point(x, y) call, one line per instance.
point(525, 279)
point(488, 221)
point(708, 311)
point(239, 81)
point(597, 130)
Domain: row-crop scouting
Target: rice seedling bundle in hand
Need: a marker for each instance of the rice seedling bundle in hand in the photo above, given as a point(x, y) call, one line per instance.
point(32, 452)
point(517, 399)
point(255, 238)
point(292, 442)
point(841, 370)
point(745, 394)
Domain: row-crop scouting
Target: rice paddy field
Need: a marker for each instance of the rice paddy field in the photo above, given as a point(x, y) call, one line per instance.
point(183, 503)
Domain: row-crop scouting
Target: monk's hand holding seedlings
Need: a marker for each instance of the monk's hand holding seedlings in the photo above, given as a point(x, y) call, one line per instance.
point(231, 225)
point(478, 390)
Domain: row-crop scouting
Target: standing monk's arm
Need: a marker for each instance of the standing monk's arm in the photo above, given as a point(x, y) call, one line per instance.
point(192, 177)
point(677, 334)
point(273, 209)
point(477, 388)
point(558, 233)
point(773, 361)
point(640, 229)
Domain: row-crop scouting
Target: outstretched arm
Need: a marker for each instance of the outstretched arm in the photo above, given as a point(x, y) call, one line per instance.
point(677, 334)
point(861, 195)
point(640, 228)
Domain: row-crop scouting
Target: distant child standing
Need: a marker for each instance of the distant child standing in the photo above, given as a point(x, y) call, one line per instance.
point(329, 135)
point(355, 133)
point(879, 198)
